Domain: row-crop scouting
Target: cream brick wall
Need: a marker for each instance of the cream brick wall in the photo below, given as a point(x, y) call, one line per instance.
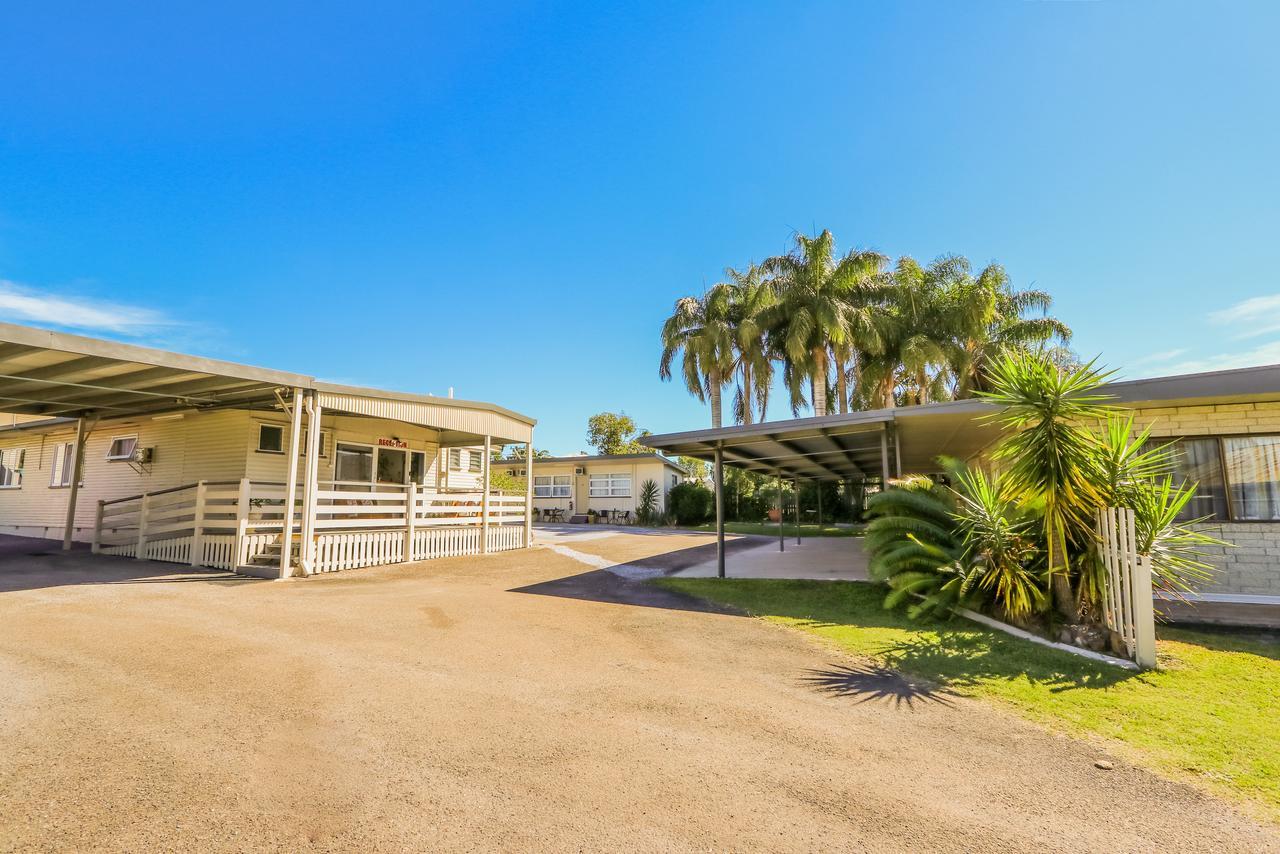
point(1252, 566)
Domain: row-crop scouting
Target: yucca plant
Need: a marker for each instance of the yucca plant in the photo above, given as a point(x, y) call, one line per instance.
point(999, 557)
point(1050, 454)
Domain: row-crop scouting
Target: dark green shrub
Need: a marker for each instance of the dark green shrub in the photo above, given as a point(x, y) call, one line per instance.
point(691, 503)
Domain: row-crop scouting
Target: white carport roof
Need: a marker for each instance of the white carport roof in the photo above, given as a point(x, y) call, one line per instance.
point(56, 374)
point(838, 447)
point(910, 439)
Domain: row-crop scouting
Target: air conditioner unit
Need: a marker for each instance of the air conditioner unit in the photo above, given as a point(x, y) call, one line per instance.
point(579, 470)
point(142, 455)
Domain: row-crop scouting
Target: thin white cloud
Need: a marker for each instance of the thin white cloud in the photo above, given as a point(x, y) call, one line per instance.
point(1266, 354)
point(1159, 358)
point(22, 304)
point(1250, 318)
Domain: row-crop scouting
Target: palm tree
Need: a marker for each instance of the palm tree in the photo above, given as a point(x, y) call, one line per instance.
point(915, 323)
point(702, 329)
point(817, 309)
point(751, 296)
point(996, 321)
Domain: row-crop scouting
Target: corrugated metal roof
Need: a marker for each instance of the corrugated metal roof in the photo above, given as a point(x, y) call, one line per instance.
point(911, 438)
point(57, 374)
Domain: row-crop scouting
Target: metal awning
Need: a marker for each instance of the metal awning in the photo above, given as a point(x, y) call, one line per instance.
point(56, 374)
point(856, 446)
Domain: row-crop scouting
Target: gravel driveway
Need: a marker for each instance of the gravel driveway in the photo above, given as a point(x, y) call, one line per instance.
point(516, 701)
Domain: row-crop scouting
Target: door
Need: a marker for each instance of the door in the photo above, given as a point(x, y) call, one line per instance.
point(581, 496)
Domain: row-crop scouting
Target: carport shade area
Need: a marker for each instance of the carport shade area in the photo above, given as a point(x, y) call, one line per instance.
point(862, 446)
point(83, 380)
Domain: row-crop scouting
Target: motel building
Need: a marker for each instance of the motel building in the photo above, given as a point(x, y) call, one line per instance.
point(162, 456)
point(603, 487)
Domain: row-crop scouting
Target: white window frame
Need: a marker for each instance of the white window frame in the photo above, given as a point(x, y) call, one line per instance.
point(324, 443)
point(553, 486)
point(60, 472)
point(283, 439)
point(373, 463)
point(475, 462)
point(454, 456)
point(118, 457)
point(12, 461)
point(611, 485)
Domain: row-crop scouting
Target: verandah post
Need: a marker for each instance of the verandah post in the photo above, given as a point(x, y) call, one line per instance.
point(311, 488)
point(144, 508)
point(528, 493)
point(484, 497)
point(291, 486)
point(97, 527)
point(197, 526)
point(410, 521)
point(243, 497)
point(77, 458)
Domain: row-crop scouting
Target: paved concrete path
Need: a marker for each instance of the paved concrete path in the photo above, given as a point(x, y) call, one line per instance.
point(518, 701)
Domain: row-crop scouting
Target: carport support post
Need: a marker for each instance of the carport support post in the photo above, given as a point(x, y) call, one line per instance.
point(528, 493)
point(884, 458)
point(782, 537)
point(795, 486)
point(74, 492)
point(819, 507)
point(484, 497)
point(719, 511)
point(291, 486)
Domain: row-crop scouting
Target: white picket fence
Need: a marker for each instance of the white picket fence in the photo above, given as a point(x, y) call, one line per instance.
point(230, 524)
point(1130, 610)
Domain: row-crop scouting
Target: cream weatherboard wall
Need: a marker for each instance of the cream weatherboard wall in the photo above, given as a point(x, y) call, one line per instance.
point(211, 446)
point(197, 446)
point(579, 501)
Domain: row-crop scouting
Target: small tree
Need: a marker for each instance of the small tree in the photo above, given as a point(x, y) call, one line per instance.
point(697, 468)
point(690, 503)
point(647, 507)
point(614, 433)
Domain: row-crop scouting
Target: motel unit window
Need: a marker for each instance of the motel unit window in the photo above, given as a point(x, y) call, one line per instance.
point(552, 486)
point(122, 448)
point(11, 463)
point(609, 486)
point(353, 463)
point(271, 440)
point(1237, 477)
point(455, 459)
point(63, 464)
point(474, 461)
point(417, 467)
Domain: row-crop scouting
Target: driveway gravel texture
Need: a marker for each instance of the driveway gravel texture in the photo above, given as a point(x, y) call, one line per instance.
point(517, 701)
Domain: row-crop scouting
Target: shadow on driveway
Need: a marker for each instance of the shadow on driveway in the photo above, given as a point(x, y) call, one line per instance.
point(28, 563)
point(612, 587)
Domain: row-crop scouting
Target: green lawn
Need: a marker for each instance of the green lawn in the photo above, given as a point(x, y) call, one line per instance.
point(770, 529)
point(1211, 713)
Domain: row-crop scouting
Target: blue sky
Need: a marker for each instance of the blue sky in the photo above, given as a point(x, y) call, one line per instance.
point(508, 199)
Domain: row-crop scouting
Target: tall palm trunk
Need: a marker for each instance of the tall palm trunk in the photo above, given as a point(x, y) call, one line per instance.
point(842, 387)
point(820, 381)
point(747, 393)
point(713, 381)
point(922, 394)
